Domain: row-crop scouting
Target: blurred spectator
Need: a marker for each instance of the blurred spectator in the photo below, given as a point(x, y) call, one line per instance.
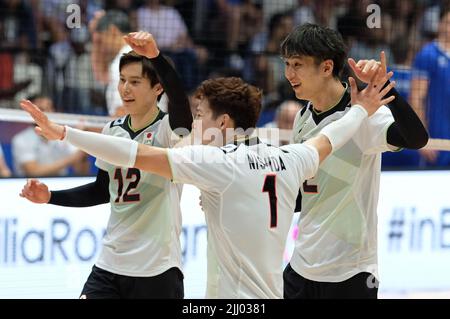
point(284, 120)
point(55, 14)
point(304, 13)
point(17, 32)
point(267, 64)
point(26, 71)
point(4, 169)
point(251, 22)
point(79, 84)
point(107, 31)
point(17, 25)
point(167, 26)
point(352, 24)
point(285, 115)
point(328, 12)
point(402, 53)
point(364, 42)
point(126, 6)
point(430, 20)
point(33, 155)
point(242, 20)
point(430, 89)
point(405, 15)
point(271, 7)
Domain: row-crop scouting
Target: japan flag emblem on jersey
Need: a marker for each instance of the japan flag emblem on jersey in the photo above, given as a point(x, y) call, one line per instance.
point(148, 139)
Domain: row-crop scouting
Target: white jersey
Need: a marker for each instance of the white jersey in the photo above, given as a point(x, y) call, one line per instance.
point(338, 221)
point(27, 146)
point(142, 236)
point(248, 195)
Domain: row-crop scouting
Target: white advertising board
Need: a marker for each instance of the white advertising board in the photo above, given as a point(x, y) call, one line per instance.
point(47, 251)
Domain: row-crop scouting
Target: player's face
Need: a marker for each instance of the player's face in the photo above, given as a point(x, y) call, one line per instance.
point(304, 76)
point(206, 125)
point(135, 90)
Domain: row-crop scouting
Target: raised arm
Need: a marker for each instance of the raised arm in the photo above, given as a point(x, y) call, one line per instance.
point(180, 115)
point(407, 131)
point(364, 103)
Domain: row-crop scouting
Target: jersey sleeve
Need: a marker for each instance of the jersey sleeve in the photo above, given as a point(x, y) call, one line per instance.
point(305, 159)
point(372, 135)
point(206, 167)
point(98, 162)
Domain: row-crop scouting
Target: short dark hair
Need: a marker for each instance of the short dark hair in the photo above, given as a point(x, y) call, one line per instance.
point(116, 18)
point(232, 96)
point(316, 41)
point(445, 9)
point(147, 68)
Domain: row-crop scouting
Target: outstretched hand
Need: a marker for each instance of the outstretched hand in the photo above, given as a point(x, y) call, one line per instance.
point(365, 70)
point(371, 97)
point(143, 43)
point(45, 127)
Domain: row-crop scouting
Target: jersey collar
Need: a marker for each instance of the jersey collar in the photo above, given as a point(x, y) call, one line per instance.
point(126, 124)
point(249, 141)
point(340, 106)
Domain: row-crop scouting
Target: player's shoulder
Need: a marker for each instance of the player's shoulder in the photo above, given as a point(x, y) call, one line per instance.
point(428, 51)
point(294, 148)
point(304, 112)
point(229, 148)
point(117, 122)
point(113, 125)
point(431, 48)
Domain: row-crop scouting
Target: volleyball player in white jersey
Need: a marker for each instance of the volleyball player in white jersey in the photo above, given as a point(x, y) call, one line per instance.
point(335, 254)
point(141, 254)
point(248, 188)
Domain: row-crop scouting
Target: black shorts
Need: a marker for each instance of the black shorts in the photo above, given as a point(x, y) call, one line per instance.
point(361, 286)
point(102, 284)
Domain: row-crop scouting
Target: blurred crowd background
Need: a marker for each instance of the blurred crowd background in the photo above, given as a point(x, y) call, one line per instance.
point(68, 63)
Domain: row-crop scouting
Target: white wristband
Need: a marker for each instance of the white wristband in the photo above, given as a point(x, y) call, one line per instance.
point(341, 131)
point(118, 151)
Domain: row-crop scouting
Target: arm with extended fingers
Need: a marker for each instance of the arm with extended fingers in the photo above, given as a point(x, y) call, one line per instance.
point(115, 150)
point(407, 131)
point(364, 104)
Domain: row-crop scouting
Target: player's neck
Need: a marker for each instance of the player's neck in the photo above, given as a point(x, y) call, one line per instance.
point(139, 121)
point(329, 96)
